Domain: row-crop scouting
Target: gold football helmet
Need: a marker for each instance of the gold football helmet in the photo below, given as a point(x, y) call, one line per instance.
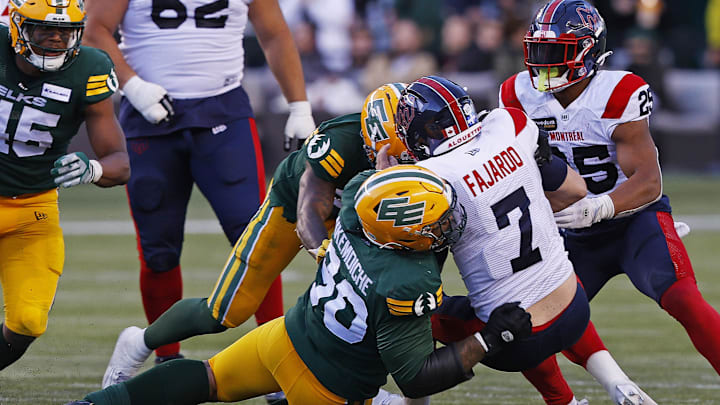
point(32, 21)
point(409, 207)
point(378, 122)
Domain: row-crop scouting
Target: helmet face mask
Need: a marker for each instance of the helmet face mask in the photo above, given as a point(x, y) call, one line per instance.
point(408, 207)
point(378, 123)
point(564, 45)
point(47, 33)
point(431, 110)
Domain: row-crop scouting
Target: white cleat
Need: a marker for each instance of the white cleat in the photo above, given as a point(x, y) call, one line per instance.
point(574, 401)
point(631, 394)
point(129, 355)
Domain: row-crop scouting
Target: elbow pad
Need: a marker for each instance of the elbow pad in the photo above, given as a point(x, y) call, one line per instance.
point(442, 370)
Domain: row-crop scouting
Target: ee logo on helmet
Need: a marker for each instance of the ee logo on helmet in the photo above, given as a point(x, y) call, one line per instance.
point(400, 211)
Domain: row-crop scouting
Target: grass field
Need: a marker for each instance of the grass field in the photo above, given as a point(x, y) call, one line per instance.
point(98, 296)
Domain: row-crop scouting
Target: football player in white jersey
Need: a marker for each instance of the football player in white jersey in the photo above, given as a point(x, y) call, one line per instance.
point(511, 248)
point(598, 122)
point(188, 121)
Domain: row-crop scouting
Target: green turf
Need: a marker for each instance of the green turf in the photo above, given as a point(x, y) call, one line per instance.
point(98, 296)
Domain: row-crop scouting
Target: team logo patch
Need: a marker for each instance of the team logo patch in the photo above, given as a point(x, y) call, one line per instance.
point(425, 303)
point(318, 146)
point(400, 211)
point(40, 215)
point(56, 92)
point(548, 124)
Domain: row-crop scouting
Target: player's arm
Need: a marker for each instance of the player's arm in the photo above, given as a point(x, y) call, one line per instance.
point(405, 346)
point(108, 143)
point(315, 204)
point(283, 59)
point(638, 159)
point(103, 18)
point(150, 99)
point(563, 186)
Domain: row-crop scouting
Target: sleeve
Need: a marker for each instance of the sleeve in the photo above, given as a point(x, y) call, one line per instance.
point(508, 95)
point(553, 173)
point(512, 124)
point(403, 344)
point(630, 100)
point(330, 158)
point(102, 81)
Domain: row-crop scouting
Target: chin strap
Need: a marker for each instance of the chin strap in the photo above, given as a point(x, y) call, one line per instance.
point(601, 58)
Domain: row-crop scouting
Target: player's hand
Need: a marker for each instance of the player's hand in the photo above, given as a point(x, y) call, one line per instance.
point(585, 212)
point(682, 229)
point(507, 323)
point(300, 123)
point(383, 160)
point(152, 100)
point(75, 168)
point(319, 252)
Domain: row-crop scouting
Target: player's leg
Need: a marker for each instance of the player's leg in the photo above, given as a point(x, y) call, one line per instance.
point(658, 265)
point(159, 191)
point(32, 252)
point(228, 167)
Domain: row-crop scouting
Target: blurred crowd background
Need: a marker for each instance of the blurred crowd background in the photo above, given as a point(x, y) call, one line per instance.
point(349, 47)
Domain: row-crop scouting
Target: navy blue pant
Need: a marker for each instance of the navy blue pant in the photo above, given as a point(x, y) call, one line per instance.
point(227, 168)
point(644, 246)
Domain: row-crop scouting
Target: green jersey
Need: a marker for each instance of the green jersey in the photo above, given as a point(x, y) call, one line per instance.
point(40, 115)
point(335, 152)
point(368, 312)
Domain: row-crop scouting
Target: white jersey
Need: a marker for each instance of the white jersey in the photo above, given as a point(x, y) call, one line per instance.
point(193, 48)
point(582, 132)
point(511, 249)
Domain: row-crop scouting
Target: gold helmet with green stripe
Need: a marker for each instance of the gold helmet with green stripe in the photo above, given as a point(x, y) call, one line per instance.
point(409, 207)
point(47, 33)
point(378, 122)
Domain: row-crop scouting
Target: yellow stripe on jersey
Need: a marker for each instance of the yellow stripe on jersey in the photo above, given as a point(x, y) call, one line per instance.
point(337, 158)
point(98, 78)
point(333, 163)
point(101, 90)
point(328, 168)
point(439, 295)
point(95, 85)
point(400, 307)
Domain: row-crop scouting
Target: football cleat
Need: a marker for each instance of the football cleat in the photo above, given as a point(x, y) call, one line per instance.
point(129, 355)
point(387, 398)
point(631, 394)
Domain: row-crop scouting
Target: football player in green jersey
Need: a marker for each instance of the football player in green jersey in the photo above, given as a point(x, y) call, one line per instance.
point(366, 315)
point(49, 85)
point(300, 210)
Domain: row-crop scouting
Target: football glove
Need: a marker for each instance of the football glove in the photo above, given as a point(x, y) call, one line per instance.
point(319, 252)
point(300, 123)
point(150, 99)
point(507, 323)
point(75, 168)
point(585, 212)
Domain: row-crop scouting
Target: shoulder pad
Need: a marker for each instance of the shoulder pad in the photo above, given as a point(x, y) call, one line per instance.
point(508, 95)
point(630, 99)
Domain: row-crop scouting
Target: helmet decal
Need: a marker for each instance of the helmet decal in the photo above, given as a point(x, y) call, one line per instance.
point(378, 122)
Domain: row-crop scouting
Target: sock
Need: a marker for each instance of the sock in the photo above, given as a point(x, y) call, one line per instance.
point(549, 381)
point(159, 292)
point(113, 395)
point(176, 382)
point(9, 354)
point(187, 318)
point(272, 306)
point(606, 371)
point(701, 321)
point(589, 343)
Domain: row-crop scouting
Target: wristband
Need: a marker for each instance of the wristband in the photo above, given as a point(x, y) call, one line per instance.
point(480, 339)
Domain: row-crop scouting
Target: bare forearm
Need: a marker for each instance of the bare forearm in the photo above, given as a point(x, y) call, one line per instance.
point(284, 62)
point(640, 189)
point(311, 228)
point(116, 169)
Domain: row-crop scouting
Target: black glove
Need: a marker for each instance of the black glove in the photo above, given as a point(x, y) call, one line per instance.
point(507, 323)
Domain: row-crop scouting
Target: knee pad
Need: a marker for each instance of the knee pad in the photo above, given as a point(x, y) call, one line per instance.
point(162, 262)
point(32, 321)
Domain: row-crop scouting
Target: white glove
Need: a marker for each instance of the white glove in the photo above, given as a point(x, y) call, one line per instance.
point(150, 99)
point(585, 212)
point(682, 229)
point(300, 123)
point(75, 168)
